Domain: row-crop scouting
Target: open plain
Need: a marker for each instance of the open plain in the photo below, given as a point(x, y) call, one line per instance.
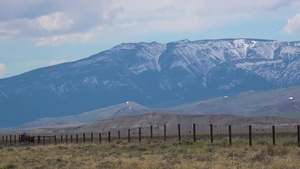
point(155, 154)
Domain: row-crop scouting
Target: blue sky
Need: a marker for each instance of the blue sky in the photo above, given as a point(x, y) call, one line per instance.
point(39, 33)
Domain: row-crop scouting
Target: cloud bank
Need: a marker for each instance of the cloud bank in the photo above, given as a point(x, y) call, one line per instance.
point(56, 22)
point(293, 25)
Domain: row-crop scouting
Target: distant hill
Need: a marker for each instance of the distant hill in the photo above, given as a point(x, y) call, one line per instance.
point(157, 120)
point(251, 103)
point(290, 109)
point(246, 103)
point(128, 108)
point(153, 75)
point(123, 109)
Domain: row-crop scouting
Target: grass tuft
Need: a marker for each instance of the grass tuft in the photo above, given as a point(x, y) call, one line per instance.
point(290, 143)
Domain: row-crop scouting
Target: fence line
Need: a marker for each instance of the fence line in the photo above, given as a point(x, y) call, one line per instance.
point(169, 133)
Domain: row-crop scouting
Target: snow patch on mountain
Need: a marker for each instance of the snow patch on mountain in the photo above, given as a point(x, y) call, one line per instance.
point(148, 56)
point(179, 84)
point(252, 65)
point(91, 80)
point(230, 85)
point(92, 60)
point(112, 84)
point(65, 87)
point(291, 73)
point(3, 93)
point(289, 50)
point(123, 46)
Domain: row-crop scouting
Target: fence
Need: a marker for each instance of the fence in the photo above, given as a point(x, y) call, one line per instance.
point(166, 132)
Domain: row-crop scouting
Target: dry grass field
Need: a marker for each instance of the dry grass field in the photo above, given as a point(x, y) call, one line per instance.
point(155, 154)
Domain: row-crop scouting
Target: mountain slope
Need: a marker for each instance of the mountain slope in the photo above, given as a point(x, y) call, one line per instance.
point(157, 120)
point(290, 109)
point(280, 102)
point(128, 108)
point(251, 101)
point(152, 74)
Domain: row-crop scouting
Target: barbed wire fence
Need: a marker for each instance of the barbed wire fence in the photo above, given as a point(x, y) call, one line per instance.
point(165, 132)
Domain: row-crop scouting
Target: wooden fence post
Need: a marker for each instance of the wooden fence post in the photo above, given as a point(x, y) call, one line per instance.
point(229, 128)
point(61, 138)
point(140, 134)
point(39, 139)
point(92, 137)
point(211, 133)
point(3, 139)
point(84, 137)
point(109, 137)
point(128, 135)
point(151, 132)
point(55, 141)
point(298, 134)
point(250, 136)
point(194, 132)
point(179, 134)
point(43, 140)
point(273, 134)
point(66, 139)
point(6, 139)
point(77, 138)
point(165, 132)
point(100, 138)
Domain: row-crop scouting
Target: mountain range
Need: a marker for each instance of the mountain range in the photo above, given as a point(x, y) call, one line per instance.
point(152, 74)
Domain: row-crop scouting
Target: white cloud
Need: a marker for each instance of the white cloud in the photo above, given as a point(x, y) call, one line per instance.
point(7, 33)
point(66, 38)
point(54, 21)
point(55, 62)
point(293, 25)
point(191, 15)
point(2, 70)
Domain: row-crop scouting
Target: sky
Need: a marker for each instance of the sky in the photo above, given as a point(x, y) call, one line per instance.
point(39, 33)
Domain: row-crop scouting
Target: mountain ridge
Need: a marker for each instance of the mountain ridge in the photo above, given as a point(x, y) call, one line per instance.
point(150, 74)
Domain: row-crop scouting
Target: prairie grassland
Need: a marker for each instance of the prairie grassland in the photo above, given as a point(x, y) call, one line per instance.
point(155, 154)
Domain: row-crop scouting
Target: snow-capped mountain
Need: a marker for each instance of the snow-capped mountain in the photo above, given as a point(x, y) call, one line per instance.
point(151, 74)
